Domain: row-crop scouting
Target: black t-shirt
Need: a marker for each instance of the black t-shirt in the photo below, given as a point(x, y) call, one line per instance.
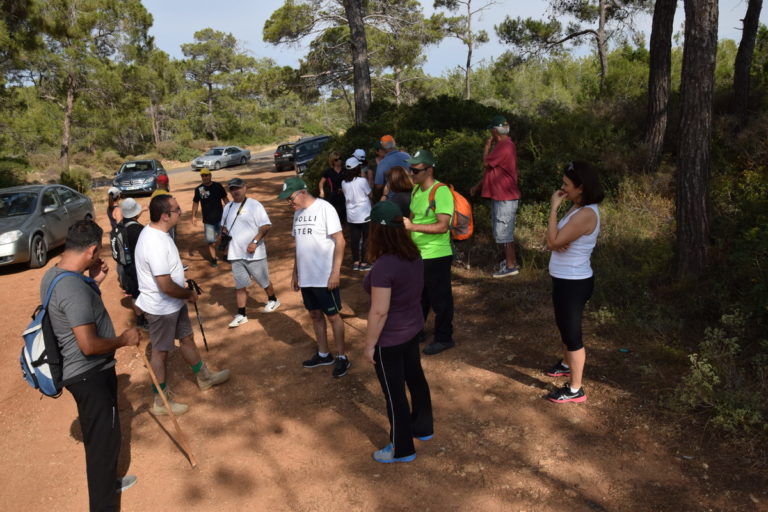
point(210, 198)
point(333, 181)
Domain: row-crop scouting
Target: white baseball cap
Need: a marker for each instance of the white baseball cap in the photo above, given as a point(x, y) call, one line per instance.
point(113, 191)
point(351, 163)
point(359, 154)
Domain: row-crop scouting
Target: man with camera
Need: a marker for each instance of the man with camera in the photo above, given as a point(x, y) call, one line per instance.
point(243, 227)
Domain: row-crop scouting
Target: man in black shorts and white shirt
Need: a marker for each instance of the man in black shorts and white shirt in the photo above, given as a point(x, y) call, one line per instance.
point(247, 222)
point(316, 269)
point(88, 342)
point(163, 298)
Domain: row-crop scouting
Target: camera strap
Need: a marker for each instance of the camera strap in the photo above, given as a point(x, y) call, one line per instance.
point(229, 229)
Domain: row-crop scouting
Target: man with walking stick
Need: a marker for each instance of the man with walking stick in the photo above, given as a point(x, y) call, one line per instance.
point(88, 342)
point(164, 299)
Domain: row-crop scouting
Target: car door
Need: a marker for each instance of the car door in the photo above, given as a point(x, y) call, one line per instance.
point(75, 204)
point(54, 214)
point(232, 157)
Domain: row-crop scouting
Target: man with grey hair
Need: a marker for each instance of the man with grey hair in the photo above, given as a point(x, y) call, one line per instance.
point(499, 183)
point(392, 158)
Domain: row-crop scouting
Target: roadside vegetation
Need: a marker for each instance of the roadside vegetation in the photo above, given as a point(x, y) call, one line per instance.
point(705, 335)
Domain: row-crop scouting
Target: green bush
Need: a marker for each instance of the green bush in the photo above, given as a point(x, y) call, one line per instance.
point(111, 160)
point(78, 179)
point(12, 171)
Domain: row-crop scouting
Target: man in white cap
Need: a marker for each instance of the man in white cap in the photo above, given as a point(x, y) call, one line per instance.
point(126, 235)
point(366, 172)
point(113, 194)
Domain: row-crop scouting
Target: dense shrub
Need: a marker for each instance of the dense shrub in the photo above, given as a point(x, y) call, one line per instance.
point(78, 179)
point(12, 171)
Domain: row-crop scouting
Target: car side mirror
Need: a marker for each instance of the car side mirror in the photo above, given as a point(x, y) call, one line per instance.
point(50, 208)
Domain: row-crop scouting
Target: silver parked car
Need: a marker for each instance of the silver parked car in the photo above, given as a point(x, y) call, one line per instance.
point(222, 156)
point(36, 218)
point(138, 177)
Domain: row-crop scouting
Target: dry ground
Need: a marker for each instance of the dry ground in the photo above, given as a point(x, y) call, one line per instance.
point(280, 437)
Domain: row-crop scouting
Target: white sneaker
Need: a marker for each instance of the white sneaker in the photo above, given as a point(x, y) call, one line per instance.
point(238, 321)
point(271, 306)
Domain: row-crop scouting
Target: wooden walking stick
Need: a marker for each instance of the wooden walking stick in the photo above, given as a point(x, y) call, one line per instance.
point(179, 434)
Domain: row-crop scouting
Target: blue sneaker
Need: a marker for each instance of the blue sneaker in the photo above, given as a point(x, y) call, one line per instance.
point(507, 271)
point(387, 455)
point(424, 438)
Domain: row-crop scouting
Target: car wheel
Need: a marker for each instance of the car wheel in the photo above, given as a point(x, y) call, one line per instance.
point(38, 252)
point(217, 166)
point(242, 161)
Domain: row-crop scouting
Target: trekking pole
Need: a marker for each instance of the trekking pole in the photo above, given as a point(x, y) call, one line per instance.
point(179, 434)
point(192, 285)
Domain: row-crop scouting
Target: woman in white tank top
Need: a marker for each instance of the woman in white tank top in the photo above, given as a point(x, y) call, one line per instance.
point(571, 241)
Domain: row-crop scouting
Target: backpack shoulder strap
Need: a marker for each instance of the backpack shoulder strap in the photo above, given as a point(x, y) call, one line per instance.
point(90, 282)
point(432, 194)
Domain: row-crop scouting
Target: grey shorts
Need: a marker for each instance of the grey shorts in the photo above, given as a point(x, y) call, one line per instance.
point(164, 329)
point(503, 216)
point(245, 270)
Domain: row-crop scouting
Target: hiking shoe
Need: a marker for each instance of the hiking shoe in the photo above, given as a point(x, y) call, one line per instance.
point(158, 407)
point(365, 267)
point(437, 347)
point(206, 379)
point(387, 455)
point(214, 263)
point(238, 321)
point(424, 438)
point(125, 482)
point(317, 360)
point(356, 266)
point(559, 370)
point(340, 367)
point(564, 394)
point(507, 271)
point(271, 306)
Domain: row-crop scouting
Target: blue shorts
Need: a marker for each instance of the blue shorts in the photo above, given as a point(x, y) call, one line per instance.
point(503, 217)
point(327, 301)
point(211, 232)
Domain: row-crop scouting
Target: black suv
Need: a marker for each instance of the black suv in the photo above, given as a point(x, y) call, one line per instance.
point(304, 150)
point(284, 157)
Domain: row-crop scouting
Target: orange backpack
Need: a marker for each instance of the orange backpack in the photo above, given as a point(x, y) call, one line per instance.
point(462, 223)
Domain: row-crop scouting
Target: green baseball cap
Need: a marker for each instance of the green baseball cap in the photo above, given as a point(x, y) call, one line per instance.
point(498, 121)
point(386, 213)
point(290, 186)
point(422, 156)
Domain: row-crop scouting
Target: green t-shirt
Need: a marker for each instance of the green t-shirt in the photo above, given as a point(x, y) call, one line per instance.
point(431, 246)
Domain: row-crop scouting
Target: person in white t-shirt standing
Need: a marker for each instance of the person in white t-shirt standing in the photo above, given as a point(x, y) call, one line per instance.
point(247, 222)
point(357, 194)
point(163, 298)
point(317, 269)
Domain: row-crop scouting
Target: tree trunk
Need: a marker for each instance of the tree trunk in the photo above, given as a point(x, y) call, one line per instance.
point(696, 93)
point(398, 92)
point(211, 123)
point(470, 44)
point(659, 82)
point(153, 121)
point(66, 132)
point(744, 60)
point(602, 44)
point(360, 69)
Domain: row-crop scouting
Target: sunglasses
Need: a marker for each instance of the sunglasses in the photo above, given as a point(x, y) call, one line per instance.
point(416, 170)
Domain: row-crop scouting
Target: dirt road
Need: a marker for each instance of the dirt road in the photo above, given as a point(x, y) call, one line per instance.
point(279, 437)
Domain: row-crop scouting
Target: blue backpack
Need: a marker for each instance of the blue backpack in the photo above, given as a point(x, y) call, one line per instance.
point(41, 361)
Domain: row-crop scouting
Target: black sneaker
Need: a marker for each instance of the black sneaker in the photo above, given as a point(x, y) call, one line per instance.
point(341, 367)
point(564, 394)
point(559, 370)
point(317, 360)
point(437, 347)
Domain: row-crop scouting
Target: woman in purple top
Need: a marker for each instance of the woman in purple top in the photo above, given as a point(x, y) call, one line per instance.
point(394, 324)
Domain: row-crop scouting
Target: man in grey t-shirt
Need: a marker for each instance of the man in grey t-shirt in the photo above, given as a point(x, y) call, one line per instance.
point(87, 341)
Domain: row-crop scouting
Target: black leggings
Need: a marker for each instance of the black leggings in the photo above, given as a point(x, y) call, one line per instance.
point(398, 367)
point(358, 232)
point(569, 297)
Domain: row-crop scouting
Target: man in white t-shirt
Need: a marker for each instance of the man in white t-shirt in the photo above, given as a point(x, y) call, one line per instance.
point(246, 221)
point(317, 269)
point(163, 298)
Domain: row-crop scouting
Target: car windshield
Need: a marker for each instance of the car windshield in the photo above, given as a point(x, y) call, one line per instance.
point(18, 203)
point(136, 167)
point(214, 152)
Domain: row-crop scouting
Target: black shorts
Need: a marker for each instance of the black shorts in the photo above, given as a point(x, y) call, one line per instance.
point(327, 301)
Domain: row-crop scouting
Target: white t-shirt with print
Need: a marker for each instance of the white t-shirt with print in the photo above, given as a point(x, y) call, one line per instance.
point(312, 229)
point(243, 231)
point(357, 201)
point(156, 255)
